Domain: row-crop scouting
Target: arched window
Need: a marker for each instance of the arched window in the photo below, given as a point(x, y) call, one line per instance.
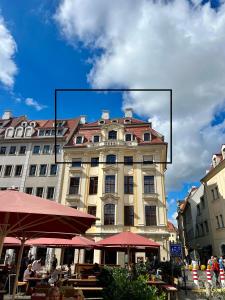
point(112, 135)
point(109, 214)
point(146, 136)
point(223, 249)
point(111, 159)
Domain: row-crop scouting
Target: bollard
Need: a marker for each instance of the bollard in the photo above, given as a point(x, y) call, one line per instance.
point(222, 278)
point(209, 276)
point(195, 277)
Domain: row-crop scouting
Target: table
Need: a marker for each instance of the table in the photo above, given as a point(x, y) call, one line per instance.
point(83, 282)
point(156, 282)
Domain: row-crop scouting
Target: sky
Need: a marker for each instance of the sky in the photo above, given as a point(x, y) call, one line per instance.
point(159, 44)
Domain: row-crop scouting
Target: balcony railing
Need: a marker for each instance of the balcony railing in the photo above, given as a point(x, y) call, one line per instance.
point(113, 143)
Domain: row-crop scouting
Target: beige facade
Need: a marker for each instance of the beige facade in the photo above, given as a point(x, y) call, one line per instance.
point(215, 195)
point(114, 195)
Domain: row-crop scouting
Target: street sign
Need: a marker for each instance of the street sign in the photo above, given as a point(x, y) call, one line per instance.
point(176, 250)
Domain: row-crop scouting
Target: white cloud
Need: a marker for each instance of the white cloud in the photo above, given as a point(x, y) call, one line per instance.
point(34, 103)
point(8, 68)
point(146, 43)
point(173, 218)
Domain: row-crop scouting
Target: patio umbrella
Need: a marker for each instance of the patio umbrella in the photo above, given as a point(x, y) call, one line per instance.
point(126, 240)
point(79, 242)
point(11, 241)
point(27, 216)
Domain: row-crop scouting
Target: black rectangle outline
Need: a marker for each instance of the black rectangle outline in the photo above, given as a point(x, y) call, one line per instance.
point(117, 90)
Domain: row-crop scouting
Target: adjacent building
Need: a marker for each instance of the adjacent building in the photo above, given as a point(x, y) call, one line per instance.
point(194, 226)
point(115, 170)
point(214, 185)
point(173, 238)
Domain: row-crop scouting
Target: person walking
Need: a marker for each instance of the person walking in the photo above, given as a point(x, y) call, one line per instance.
point(216, 270)
point(221, 262)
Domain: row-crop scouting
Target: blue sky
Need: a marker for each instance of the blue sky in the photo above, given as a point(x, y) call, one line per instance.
point(49, 57)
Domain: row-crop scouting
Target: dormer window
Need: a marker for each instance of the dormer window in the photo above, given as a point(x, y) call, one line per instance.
point(128, 137)
point(147, 136)
point(24, 124)
point(79, 139)
point(101, 122)
point(112, 135)
point(48, 132)
point(114, 121)
point(19, 132)
point(41, 132)
point(59, 132)
point(96, 138)
point(28, 131)
point(9, 132)
point(127, 121)
point(33, 124)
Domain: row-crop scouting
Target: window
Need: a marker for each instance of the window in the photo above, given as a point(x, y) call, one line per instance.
point(41, 132)
point(79, 140)
point(202, 201)
point(36, 149)
point(197, 231)
point(59, 132)
point(111, 159)
point(96, 139)
point(46, 149)
point(217, 222)
point(128, 215)
point(147, 137)
point(93, 187)
point(76, 162)
point(128, 137)
point(147, 159)
point(92, 210)
point(43, 170)
point(0, 169)
point(128, 184)
point(94, 161)
point(110, 184)
point(2, 150)
point(206, 226)
point(202, 229)
point(109, 214)
point(53, 169)
point(128, 160)
point(29, 190)
point(150, 215)
point(74, 185)
point(39, 191)
point(32, 171)
point(221, 220)
point(149, 186)
point(12, 150)
point(50, 192)
point(198, 210)
point(56, 149)
point(28, 131)
point(112, 135)
point(8, 170)
point(47, 132)
point(216, 192)
point(18, 170)
point(22, 150)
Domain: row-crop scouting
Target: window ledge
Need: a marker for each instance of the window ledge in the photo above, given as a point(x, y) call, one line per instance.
point(73, 197)
point(150, 196)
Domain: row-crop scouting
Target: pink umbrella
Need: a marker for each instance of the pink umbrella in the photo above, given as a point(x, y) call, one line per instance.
point(27, 216)
point(128, 240)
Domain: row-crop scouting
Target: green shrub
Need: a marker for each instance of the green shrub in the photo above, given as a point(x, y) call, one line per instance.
point(119, 284)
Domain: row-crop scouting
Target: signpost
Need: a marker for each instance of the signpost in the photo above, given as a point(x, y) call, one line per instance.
point(176, 253)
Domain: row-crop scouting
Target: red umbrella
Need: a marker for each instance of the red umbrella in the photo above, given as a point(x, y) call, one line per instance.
point(11, 241)
point(76, 242)
point(127, 240)
point(27, 216)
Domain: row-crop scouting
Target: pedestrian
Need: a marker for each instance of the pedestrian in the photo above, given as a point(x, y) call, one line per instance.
point(221, 262)
point(216, 270)
point(210, 262)
point(54, 262)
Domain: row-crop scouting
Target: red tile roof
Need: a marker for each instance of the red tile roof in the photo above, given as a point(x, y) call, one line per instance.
point(171, 227)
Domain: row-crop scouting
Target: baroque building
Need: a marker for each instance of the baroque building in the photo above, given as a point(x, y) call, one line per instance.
point(115, 170)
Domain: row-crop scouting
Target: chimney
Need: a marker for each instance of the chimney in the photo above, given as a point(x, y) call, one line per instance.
point(128, 112)
point(82, 119)
point(7, 115)
point(105, 115)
